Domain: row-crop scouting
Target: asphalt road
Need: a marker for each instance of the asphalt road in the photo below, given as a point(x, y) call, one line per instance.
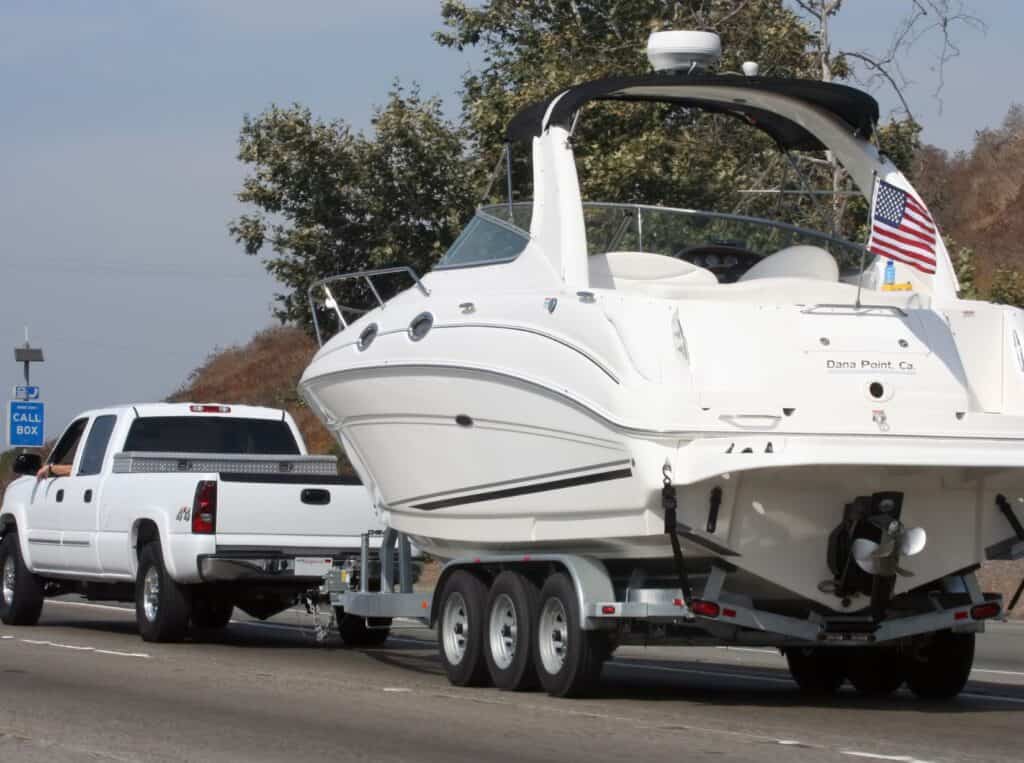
point(82, 686)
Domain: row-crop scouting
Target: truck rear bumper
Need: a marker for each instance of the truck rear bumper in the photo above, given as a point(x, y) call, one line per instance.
point(215, 568)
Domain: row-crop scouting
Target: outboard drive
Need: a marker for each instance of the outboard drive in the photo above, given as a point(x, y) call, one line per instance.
point(864, 550)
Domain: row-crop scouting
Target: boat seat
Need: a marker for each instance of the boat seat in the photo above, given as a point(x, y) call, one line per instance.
point(800, 261)
point(635, 270)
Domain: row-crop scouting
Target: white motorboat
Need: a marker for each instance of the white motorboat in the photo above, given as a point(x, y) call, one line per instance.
point(825, 416)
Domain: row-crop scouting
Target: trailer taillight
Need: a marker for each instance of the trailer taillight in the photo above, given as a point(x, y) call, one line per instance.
point(704, 608)
point(985, 611)
point(204, 508)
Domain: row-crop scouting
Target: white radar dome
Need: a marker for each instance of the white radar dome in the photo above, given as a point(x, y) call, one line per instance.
point(683, 51)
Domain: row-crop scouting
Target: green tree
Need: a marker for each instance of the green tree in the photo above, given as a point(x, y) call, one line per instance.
point(1007, 287)
point(329, 200)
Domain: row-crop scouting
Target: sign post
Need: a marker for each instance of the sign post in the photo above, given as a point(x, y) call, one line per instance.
point(26, 414)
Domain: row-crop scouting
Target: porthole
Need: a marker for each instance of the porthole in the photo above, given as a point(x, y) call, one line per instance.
point(877, 390)
point(366, 337)
point(420, 326)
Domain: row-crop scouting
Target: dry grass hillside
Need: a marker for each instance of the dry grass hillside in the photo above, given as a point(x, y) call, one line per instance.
point(266, 372)
point(977, 195)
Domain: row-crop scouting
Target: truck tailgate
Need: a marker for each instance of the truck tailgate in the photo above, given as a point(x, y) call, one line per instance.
point(292, 510)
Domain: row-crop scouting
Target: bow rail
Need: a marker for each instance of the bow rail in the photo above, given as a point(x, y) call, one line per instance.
point(330, 302)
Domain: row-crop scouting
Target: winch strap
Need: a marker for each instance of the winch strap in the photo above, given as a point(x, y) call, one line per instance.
point(669, 504)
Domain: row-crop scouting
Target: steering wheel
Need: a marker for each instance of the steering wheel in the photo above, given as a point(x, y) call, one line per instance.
point(727, 261)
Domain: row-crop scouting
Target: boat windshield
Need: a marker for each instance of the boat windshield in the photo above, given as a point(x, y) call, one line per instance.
point(726, 244)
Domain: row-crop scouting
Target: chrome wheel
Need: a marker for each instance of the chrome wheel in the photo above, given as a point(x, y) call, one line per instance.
point(503, 631)
point(455, 622)
point(553, 635)
point(10, 576)
point(151, 594)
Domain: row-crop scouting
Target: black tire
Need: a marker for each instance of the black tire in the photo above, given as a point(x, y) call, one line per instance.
point(511, 614)
point(21, 600)
point(818, 672)
point(355, 631)
point(568, 658)
point(460, 629)
point(173, 605)
point(211, 612)
point(940, 667)
point(877, 671)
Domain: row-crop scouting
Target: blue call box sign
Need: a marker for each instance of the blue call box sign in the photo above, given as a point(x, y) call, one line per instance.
point(25, 425)
point(26, 392)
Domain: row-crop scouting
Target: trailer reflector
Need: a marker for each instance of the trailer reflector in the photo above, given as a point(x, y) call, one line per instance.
point(728, 612)
point(962, 615)
point(985, 611)
point(608, 609)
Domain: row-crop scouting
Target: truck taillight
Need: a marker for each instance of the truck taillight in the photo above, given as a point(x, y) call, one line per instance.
point(204, 508)
point(206, 408)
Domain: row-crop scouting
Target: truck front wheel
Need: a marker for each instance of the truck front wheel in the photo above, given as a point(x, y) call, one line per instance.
point(162, 606)
point(21, 592)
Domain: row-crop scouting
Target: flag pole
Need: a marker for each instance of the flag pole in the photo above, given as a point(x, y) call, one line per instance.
point(864, 249)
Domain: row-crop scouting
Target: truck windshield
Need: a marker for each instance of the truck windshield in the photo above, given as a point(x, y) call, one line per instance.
point(191, 434)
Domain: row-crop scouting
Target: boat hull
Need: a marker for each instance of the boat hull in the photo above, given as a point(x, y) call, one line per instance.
point(472, 462)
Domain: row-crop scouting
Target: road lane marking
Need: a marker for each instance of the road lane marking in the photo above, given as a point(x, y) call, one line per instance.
point(998, 672)
point(877, 756)
point(695, 671)
point(78, 648)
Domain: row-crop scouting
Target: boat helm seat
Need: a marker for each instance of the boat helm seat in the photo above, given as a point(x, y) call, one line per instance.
point(640, 271)
point(800, 261)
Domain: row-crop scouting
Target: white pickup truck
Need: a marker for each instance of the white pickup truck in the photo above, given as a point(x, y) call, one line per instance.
point(189, 510)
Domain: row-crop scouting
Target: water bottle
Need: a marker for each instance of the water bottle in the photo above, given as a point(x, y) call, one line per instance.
point(890, 273)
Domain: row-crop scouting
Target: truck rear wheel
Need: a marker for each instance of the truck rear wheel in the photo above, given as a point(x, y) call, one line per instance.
point(940, 668)
point(357, 632)
point(162, 606)
point(568, 658)
point(816, 671)
point(460, 629)
point(508, 646)
point(21, 592)
point(876, 671)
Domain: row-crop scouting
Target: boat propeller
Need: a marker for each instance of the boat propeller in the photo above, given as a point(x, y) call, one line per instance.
point(865, 550)
point(883, 558)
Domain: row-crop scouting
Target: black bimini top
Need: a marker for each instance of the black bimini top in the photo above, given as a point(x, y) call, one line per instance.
point(854, 107)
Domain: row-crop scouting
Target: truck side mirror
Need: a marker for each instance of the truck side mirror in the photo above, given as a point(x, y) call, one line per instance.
point(27, 463)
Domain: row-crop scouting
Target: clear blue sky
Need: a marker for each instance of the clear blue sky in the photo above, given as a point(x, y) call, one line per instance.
point(118, 131)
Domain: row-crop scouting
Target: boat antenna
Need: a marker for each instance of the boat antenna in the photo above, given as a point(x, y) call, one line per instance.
point(864, 249)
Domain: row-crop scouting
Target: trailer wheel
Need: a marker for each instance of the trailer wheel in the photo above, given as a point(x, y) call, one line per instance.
point(210, 612)
point(816, 671)
point(460, 629)
point(162, 606)
point(940, 668)
point(21, 592)
point(508, 648)
point(876, 671)
point(568, 658)
point(356, 632)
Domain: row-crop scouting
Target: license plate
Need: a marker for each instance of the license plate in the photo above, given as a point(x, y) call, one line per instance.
point(312, 566)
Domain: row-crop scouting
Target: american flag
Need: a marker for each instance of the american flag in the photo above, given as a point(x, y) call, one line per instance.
point(902, 229)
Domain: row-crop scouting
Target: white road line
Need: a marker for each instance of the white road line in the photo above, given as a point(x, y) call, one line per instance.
point(877, 756)
point(77, 648)
point(998, 672)
point(90, 605)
